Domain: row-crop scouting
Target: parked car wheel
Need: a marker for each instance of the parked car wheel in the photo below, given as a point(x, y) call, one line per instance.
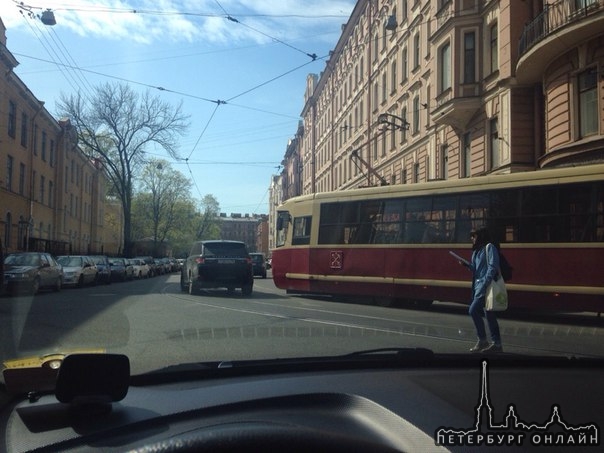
point(58, 285)
point(35, 286)
point(192, 288)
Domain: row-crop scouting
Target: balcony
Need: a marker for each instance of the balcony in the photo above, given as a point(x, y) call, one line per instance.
point(457, 110)
point(560, 27)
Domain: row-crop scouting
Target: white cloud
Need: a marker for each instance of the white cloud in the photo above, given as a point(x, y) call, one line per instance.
point(147, 21)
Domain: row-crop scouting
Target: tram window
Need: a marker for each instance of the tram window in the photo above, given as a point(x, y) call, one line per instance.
point(338, 223)
point(441, 228)
point(418, 209)
point(387, 226)
point(370, 214)
point(581, 215)
point(503, 215)
point(301, 233)
point(473, 210)
point(282, 227)
point(539, 201)
point(334, 213)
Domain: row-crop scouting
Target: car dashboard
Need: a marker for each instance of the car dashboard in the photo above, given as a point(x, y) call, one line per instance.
point(369, 403)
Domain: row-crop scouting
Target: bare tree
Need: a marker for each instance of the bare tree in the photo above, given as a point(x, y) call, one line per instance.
point(116, 125)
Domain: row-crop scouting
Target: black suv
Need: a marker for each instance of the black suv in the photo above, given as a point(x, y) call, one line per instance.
point(217, 264)
point(259, 264)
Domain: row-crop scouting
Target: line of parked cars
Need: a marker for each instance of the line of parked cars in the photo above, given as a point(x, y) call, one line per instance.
point(32, 271)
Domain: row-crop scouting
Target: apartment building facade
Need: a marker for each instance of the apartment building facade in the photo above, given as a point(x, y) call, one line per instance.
point(51, 194)
point(422, 90)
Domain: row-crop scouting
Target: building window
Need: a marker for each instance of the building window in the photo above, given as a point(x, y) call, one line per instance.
point(35, 140)
point(494, 49)
point(23, 129)
point(12, 119)
point(375, 47)
point(384, 87)
point(588, 102)
point(21, 179)
point(466, 157)
point(469, 67)
point(444, 161)
point(494, 143)
point(44, 146)
point(393, 79)
point(9, 173)
point(416, 114)
point(404, 65)
point(416, 51)
point(42, 188)
point(7, 227)
point(445, 67)
point(52, 153)
point(416, 172)
point(405, 124)
point(361, 68)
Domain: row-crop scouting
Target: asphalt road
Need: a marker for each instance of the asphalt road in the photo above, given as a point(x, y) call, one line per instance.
point(156, 325)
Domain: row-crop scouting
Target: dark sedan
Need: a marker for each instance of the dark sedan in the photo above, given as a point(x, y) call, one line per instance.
point(31, 271)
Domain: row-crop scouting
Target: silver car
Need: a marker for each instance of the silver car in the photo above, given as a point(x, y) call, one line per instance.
point(30, 271)
point(78, 270)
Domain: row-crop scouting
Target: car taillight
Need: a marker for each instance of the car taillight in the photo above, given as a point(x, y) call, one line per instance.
point(199, 260)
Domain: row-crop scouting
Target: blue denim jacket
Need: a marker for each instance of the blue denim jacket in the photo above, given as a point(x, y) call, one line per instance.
point(484, 269)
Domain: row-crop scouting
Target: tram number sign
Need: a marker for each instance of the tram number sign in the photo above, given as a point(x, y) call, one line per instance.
point(335, 259)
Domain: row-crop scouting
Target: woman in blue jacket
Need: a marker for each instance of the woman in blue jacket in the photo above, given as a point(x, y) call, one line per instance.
point(485, 267)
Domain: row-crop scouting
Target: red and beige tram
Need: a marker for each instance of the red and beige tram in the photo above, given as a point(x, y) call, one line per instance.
point(393, 242)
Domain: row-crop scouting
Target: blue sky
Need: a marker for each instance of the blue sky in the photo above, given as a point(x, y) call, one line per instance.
point(257, 62)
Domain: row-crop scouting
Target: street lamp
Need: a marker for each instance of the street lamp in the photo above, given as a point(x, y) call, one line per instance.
point(391, 24)
point(48, 17)
point(392, 120)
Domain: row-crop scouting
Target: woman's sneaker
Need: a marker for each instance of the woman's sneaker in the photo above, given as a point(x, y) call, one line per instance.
point(493, 348)
point(480, 346)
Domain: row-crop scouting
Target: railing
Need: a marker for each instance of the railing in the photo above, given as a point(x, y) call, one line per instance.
point(555, 16)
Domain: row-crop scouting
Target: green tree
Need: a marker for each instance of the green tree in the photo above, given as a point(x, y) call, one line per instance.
point(163, 190)
point(208, 220)
point(116, 125)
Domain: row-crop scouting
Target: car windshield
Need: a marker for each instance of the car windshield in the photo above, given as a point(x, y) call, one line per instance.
point(302, 179)
point(226, 249)
point(22, 260)
point(70, 261)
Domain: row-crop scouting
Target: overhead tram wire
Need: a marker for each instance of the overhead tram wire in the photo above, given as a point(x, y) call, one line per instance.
point(237, 21)
point(66, 74)
point(204, 130)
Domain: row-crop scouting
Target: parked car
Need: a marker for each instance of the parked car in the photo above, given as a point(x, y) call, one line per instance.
point(104, 268)
point(218, 264)
point(78, 270)
point(258, 264)
point(118, 269)
point(150, 264)
point(141, 269)
point(30, 271)
point(129, 269)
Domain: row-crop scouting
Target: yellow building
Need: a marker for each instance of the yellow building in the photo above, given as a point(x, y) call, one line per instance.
point(51, 194)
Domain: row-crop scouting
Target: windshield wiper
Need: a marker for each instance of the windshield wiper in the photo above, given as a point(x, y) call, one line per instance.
point(398, 353)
